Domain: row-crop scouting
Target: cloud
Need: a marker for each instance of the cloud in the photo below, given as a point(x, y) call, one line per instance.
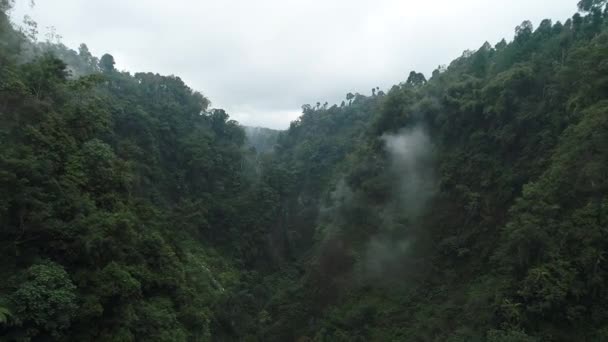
point(411, 158)
point(261, 60)
point(388, 254)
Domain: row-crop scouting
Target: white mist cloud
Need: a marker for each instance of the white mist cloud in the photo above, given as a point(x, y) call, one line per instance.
point(410, 153)
point(412, 172)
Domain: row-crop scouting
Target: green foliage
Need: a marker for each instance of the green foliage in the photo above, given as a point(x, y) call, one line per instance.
point(508, 336)
point(512, 241)
point(121, 182)
point(106, 63)
point(5, 315)
point(588, 5)
point(416, 79)
point(131, 211)
point(45, 299)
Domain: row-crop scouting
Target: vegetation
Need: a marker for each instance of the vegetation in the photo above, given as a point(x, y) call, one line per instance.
point(471, 206)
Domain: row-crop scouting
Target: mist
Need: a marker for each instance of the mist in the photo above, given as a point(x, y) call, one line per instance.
point(412, 176)
point(410, 155)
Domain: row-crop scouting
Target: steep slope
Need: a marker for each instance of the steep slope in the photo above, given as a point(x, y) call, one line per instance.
point(117, 191)
point(469, 207)
point(504, 237)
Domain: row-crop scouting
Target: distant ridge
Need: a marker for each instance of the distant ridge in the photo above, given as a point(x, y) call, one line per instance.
point(261, 138)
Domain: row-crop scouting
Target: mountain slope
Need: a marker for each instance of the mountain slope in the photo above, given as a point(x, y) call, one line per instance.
point(469, 207)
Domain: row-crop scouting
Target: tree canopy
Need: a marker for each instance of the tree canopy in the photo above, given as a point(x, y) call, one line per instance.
point(469, 206)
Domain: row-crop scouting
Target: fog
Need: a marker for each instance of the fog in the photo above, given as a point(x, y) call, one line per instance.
point(413, 178)
point(410, 154)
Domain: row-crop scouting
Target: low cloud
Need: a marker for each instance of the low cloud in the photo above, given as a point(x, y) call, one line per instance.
point(387, 257)
point(410, 153)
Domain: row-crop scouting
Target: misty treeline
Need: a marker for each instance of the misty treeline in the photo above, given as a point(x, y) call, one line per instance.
point(467, 207)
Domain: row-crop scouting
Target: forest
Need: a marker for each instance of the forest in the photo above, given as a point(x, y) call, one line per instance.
point(469, 205)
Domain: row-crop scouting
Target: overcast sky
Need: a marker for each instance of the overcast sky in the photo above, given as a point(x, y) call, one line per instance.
point(262, 59)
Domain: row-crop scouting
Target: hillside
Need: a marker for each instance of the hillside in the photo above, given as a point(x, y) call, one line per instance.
point(469, 206)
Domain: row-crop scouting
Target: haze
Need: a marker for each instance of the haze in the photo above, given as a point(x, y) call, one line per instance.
point(261, 60)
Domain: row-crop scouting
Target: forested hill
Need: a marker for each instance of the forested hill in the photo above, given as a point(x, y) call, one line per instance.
point(469, 206)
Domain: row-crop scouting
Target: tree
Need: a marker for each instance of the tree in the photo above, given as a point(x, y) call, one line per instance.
point(501, 45)
point(106, 63)
point(524, 31)
point(416, 79)
point(589, 5)
point(350, 97)
point(5, 5)
point(46, 299)
point(44, 77)
point(88, 58)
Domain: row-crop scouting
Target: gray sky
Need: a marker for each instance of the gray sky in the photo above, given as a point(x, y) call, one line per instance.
point(261, 60)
